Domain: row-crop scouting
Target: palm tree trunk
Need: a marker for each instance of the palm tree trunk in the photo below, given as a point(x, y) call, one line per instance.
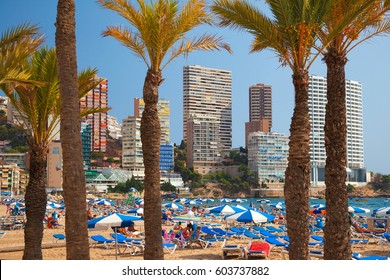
point(150, 137)
point(337, 230)
point(35, 199)
point(77, 245)
point(296, 188)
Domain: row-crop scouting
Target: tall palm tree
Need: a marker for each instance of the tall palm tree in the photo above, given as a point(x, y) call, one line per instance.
point(39, 108)
point(349, 23)
point(291, 33)
point(158, 27)
point(16, 45)
point(77, 246)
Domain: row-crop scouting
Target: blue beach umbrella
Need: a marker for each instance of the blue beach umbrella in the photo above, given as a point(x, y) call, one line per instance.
point(173, 206)
point(136, 210)
point(193, 202)
point(278, 205)
point(225, 200)
point(358, 210)
point(224, 209)
point(382, 211)
point(104, 202)
point(115, 221)
point(248, 217)
point(318, 205)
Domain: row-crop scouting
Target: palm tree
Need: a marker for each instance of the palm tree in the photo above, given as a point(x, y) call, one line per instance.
point(39, 108)
point(291, 33)
point(349, 23)
point(158, 27)
point(77, 246)
point(16, 45)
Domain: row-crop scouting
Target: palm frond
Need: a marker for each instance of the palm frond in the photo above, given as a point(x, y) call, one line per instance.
point(157, 26)
point(130, 40)
point(87, 81)
point(205, 42)
point(88, 111)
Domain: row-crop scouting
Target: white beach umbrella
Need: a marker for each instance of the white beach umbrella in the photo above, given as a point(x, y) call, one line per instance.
point(358, 210)
point(382, 211)
point(248, 217)
point(224, 209)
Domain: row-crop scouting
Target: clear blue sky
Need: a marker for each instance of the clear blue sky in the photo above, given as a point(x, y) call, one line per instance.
point(368, 64)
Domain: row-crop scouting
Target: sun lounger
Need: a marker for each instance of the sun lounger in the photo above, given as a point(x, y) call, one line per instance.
point(169, 247)
point(257, 248)
point(359, 257)
point(100, 239)
point(58, 237)
point(230, 249)
point(223, 232)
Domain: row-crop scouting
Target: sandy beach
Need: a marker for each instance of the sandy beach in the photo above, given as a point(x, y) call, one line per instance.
point(11, 248)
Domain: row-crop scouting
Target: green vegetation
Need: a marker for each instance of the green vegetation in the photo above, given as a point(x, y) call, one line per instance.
point(126, 186)
point(381, 182)
point(15, 135)
point(350, 188)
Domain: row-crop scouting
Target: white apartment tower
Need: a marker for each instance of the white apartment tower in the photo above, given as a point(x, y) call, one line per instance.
point(208, 92)
point(132, 158)
point(317, 110)
point(267, 155)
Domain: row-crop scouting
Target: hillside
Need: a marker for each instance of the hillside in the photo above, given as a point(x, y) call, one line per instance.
point(114, 148)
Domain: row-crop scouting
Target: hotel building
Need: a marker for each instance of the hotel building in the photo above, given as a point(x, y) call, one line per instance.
point(317, 110)
point(207, 116)
point(267, 155)
point(97, 98)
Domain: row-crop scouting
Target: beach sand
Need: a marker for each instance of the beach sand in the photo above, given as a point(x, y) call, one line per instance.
point(11, 248)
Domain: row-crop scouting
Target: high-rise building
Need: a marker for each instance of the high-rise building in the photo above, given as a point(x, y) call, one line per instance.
point(208, 92)
point(354, 110)
point(97, 98)
point(260, 103)
point(166, 157)
point(132, 157)
point(163, 114)
point(203, 144)
point(268, 155)
point(260, 110)
point(86, 143)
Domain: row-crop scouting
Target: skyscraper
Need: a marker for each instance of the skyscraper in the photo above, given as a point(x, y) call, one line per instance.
point(354, 109)
point(97, 98)
point(208, 91)
point(260, 110)
point(260, 103)
point(132, 157)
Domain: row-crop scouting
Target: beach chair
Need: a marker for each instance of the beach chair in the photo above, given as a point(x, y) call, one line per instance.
point(58, 237)
point(223, 233)
point(384, 240)
point(359, 257)
point(251, 235)
point(273, 229)
point(230, 249)
point(210, 233)
point(257, 248)
point(169, 247)
point(276, 244)
point(101, 240)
